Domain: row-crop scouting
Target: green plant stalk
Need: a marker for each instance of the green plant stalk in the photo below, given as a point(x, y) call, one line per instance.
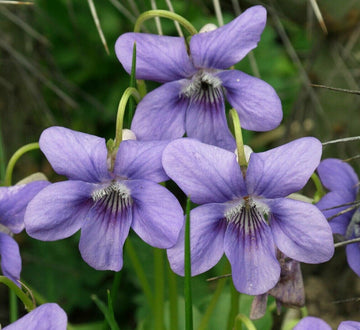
point(131, 109)
point(106, 311)
point(120, 113)
point(173, 299)
point(241, 319)
point(234, 309)
point(2, 158)
point(187, 284)
point(14, 311)
point(28, 303)
point(140, 273)
point(166, 14)
point(15, 157)
point(159, 289)
point(115, 287)
point(320, 191)
point(238, 138)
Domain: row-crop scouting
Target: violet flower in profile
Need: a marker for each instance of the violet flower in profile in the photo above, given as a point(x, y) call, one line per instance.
point(102, 201)
point(315, 323)
point(343, 185)
point(192, 99)
point(247, 218)
point(49, 316)
point(13, 202)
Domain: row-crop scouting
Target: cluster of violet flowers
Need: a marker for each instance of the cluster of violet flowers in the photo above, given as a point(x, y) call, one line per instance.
point(248, 206)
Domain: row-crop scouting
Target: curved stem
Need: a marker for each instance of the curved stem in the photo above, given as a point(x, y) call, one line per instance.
point(28, 303)
point(320, 192)
point(238, 137)
point(166, 14)
point(241, 319)
point(120, 113)
point(15, 157)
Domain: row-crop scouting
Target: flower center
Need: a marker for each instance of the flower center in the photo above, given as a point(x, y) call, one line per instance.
point(115, 197)
point(248, 215)
point(203, 87)
point(353, 230)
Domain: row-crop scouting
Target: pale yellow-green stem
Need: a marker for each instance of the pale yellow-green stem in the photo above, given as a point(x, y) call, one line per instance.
point(242, 319)
point(15, 157)
point(120, 113)
point(166, 14)
point(238, 137)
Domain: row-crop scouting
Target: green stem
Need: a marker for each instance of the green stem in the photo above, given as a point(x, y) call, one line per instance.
point(28, 303)
point(139, 270)
point(115, 288)
point(15, 157)
point(234, 309)
point(173, 299)
point(131, 111)
point(120, 113)
point(241, 319)
point(238, 137)
point(187, 284)
point(159, 288)
point(166, 14)
point(14, 311)
point(320, 192)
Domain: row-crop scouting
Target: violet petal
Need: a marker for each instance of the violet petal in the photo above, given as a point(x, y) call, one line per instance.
point(206, 173)
point(161, 114)
point(158, 58)
point(258, 105)
point(227, 45)
point(157, 214)
point(300, 230)
point(207, 230)
point(283, 170)
point(10, 257)
point(59, 210)
point(79, 156)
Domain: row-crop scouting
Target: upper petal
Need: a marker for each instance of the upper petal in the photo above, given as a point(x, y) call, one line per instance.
point(158, 58)
point(79, 156)
point(59, 210)
point(157, 214)
point(283, 170)
point(227, 45)
point(206, 121)
point(141, 160)
point(258, 105)
point(45, 317)
point(207, 230)
point(338, 175)
point(13, 202)
point(300, 230)
point(161, 114)
point(10, 258)
point(206, 173)
point(251, 252)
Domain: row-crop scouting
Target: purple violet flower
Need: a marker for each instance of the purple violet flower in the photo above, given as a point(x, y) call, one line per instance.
point(315, 323)
point(191, 100)
point(45, 317)
point(13, 202)
point(104, 203)
point(343, 185)
point(248, 218)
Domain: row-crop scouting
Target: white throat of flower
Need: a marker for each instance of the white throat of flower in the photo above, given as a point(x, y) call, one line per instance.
point(203, 87)
point(115, 197)
point(248, 214)
point(5, 230)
